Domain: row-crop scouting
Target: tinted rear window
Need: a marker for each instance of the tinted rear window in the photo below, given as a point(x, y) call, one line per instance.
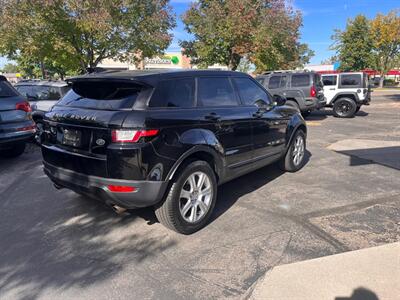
point(274, 82)
point(102, 95)
point(329, 80)
point(216, 91)
point(351, 80)
point(174, 93)
point(6, 90)
point(300, 80)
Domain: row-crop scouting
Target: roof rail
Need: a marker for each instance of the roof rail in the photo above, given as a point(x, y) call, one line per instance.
point(287, 71)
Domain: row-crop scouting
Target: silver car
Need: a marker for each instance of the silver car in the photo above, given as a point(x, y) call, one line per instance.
point(42, 96)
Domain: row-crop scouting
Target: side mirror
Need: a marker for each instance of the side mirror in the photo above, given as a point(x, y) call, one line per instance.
point(262, 105)
point(279, 100)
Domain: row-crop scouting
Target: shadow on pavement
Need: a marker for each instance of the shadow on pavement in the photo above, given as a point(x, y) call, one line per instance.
point(229, 193)
point(360, 294)
point(394, 97)
point(386, 156)
point(68, 243)
point(323, 114)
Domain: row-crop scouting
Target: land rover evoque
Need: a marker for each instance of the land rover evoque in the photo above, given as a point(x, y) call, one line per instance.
point(167, 139)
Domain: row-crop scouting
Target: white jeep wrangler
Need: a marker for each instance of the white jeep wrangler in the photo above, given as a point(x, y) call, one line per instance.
point(346, 92)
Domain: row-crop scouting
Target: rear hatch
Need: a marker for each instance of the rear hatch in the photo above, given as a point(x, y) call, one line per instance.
point(319, 86)
point(78, 129)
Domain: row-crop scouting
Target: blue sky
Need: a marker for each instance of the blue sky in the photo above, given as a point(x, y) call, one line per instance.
point(320, 18)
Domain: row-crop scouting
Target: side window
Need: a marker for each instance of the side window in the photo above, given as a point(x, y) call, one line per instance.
point(274, 82)
point(250, 92)
point(300, 80)
point(350, 80)
point(260, 80)
point(329, 80)
point(283, 81)
point(216, 91)
point(174, 93)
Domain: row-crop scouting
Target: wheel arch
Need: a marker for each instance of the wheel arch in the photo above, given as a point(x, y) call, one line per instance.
point(294, 125)
point(352, 96)
point(199, 152)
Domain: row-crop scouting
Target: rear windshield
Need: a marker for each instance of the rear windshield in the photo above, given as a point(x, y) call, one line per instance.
point(41, 92)
point(103, 95)
point(6, 90)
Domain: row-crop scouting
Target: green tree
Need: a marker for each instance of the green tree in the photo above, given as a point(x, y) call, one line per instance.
point(354, 45)
point(10, 68)
point(70, 35)
point(264, 31)
point(385, 30)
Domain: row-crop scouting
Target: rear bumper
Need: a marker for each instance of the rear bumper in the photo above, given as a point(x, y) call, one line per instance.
point(147, 193)
point(9, 139)
point(313, 104)
point(366, 100)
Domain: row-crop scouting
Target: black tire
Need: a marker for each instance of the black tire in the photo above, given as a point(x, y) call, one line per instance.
point(344, 108)
point(287, 162)
point(169, 213)
point(293, 104)
point(305, 114)
point(15, 151)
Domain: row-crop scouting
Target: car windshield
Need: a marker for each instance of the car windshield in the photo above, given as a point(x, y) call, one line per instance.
point(6, 90)
point(102, 95)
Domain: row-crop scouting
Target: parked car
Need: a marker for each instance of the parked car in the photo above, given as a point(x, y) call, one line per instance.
point(346, 92)
point(16, 125)
point(167, 139)
point(42, 95)
point(302, 89)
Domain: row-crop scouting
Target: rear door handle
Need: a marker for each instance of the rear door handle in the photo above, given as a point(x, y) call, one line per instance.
point(212, 117)
point(332, 89)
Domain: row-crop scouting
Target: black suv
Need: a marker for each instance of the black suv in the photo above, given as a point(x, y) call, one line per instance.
point(302, 89)
point(167, 139)
point(16, 125)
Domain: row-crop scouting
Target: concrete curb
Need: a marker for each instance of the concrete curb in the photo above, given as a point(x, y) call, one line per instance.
point(368, 274)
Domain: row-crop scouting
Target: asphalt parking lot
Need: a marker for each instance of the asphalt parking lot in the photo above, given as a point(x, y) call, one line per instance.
point(58, 245)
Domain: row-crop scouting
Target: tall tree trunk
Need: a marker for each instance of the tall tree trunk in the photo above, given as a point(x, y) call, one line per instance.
point(43, 70)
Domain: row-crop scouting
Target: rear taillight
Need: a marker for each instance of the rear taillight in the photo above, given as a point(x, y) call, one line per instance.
point(27, 128)
point(23, 106)
point(121, 189)
point(131, 136)
point(313, 92)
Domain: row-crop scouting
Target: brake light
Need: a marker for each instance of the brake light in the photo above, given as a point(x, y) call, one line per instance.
point(121, 189)
point(131, 136)
point(313, 92)
point(23, 106)
point(27, 128)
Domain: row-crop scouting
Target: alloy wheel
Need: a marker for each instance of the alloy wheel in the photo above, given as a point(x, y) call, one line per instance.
point(298, 150)
point(195, 197)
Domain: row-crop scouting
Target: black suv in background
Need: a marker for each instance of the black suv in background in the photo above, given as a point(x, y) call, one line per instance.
point(302, 89)
point(16, 125)
point(167, 139)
